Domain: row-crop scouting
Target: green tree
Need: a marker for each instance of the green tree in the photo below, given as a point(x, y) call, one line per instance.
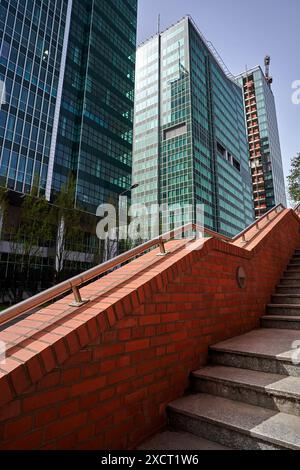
point(28, 239)
point(294, 180)
point(68, 222)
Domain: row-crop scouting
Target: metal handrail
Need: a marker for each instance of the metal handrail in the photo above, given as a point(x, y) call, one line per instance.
point(74, 283)
point(297, 207)
point(257, 221)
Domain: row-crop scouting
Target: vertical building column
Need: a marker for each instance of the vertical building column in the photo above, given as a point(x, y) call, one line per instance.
point(1, 219)
point(58, 100)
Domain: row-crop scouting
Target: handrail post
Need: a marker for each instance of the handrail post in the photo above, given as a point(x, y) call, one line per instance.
point(78, 299)
point(162, 248)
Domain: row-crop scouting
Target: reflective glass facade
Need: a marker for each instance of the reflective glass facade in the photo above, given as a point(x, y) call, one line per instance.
point(31, 47)
point(96, 120)
point(264, 144)
point(68, 69)
point(190, 144)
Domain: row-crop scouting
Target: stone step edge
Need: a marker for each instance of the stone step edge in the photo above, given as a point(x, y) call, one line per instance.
point(260, 388)
point(223, 424)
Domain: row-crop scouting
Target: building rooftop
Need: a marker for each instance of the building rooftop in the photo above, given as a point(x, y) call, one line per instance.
point(206, 42)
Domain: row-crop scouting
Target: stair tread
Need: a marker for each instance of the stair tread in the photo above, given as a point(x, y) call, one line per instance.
point(271, 383)
point(263, 342)
point(295, 306)
point(170, 440)
point(291, 286)
point(297, 296)
point(271, 426)
point(281, 317)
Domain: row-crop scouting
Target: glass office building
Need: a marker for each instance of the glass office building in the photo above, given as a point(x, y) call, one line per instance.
point(68, 71)
point(31, 60)
point(96, 119)
point(190, 144)
point(264, 144)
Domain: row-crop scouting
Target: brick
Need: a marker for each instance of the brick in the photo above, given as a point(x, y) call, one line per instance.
point(50, 380)
point(120, 375)
point(6, 393)
point(67, 442)
point(82, 357)
point(17, 427)
point(31, 441)
point(92, 327)
point(88, 401)
point(48, 359)
point(83, 335)
point(124, 334)
point(150, 320)
point(137, 345)
point(34, 368)
point(86, 433)
point(104, 409)
point(108, 351)
point(70, 376)
point(87, 386)
point(64, 426)
point(20, 379)
point(111, 316)
point(10, 410)
point(43, 399)
point(44, 417)
point(136, 396)
point(72, 342)
point(61, 351)
point(69, 408)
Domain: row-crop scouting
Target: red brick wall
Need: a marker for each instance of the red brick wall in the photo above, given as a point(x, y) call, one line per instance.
point(112, 392)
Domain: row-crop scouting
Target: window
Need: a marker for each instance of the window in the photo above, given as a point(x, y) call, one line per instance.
point(175, 131)
point(4, 50)
point(236, 164)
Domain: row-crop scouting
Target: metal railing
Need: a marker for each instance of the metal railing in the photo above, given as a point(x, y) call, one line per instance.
point(257, 223)
point(76, 282)
point(297, 209)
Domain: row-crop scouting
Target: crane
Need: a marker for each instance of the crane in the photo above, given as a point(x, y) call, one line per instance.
point(267, 70)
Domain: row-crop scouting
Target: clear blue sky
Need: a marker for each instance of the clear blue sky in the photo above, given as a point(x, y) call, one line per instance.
point(230, 24)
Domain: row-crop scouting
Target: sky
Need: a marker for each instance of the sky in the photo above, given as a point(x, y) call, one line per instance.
point(243, 32)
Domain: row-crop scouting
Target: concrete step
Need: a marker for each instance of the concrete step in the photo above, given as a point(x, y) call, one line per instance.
point(272, 391)
point(268, 350)
point(293, 299)
point(234, 424)
point(295, 260)
point(292, 275)
point(171, 440)
point(283, 322)
point(288, 289)
point(283, 309)
point(290, 281)
point(294, 267)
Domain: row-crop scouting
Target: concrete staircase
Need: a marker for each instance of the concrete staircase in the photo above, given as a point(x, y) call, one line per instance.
point(249, 395)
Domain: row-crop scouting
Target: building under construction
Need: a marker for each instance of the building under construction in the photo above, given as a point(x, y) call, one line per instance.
point(263, 136)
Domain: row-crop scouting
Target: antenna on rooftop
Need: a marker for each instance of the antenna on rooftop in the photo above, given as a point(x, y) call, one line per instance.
point(158, 24)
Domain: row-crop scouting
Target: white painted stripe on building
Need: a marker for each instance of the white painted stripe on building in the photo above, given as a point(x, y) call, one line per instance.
point(58, 100)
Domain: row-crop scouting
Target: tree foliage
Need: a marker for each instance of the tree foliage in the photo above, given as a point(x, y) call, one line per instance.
point(294, 180)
